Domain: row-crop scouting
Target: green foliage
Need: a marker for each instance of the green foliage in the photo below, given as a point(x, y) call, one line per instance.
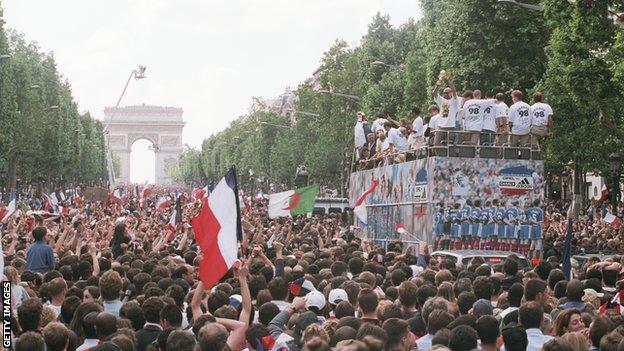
point(584, 77)
point(43, 136)
point(571, 51)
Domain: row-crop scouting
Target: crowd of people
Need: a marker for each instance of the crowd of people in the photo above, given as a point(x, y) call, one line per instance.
point(469, 119)
point(113, 276)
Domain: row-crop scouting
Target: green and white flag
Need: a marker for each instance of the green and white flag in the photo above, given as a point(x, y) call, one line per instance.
point(293, 202)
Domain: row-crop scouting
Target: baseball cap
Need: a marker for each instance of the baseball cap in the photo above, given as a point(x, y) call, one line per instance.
point(315, 299)
point(337, 295)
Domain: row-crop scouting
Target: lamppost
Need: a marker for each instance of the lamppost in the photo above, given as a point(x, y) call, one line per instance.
point(251, 182)
point(523, 5)
point(137, 73)
point(616, 164)
point(381, 63)
point(564, 184)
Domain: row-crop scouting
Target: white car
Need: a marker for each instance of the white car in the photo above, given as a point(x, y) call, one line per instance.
point(463, 257)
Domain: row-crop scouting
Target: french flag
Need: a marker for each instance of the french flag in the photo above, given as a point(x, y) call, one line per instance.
point(615, 221)
point(162, 203)
point(176, 217)
point(360, 207)
point(51, 203)
point(217, 229)
point(10, 209)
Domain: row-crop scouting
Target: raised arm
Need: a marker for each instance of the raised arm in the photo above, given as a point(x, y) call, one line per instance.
point(245, 294)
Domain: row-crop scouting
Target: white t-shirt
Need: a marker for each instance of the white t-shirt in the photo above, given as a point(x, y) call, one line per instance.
point(418, 127)
point(540, 113)
point(435, 122)
point(448, 105)
point(489, 115)
point(502, 110)
point(378, 124)
point(398, 140)
point(520, 116)
point(385, 144)
point(473, 115)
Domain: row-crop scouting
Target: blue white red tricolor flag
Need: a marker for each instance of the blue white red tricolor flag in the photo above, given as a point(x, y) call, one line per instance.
point(218, 229)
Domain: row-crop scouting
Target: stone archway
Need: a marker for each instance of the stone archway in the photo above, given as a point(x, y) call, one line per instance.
point(162, 126)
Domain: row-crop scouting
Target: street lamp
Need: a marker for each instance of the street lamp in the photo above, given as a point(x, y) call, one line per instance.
point(35, 87)
point(52, 108)
point(5, 56)
point(310, 114)
point(616, 164)
point(526, 6)
point(381, 63)
point(347, 96)
point(276, 125)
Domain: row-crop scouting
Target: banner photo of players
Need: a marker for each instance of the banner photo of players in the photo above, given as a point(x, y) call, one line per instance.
point(457, 203)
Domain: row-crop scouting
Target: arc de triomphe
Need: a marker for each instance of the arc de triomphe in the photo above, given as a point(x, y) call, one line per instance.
point(162, 126)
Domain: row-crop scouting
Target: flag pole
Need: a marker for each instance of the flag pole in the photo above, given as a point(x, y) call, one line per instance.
point(573, 214)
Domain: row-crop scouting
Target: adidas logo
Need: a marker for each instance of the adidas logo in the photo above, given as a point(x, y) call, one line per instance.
point(524, 181)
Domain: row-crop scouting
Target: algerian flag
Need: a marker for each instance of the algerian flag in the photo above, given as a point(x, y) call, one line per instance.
point(293, 202)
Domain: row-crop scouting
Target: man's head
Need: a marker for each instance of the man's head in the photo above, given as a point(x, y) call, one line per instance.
point(447, 93)
point(575, 290)
point(39, 233)
point(600, 327)
point(537, 97)
point(514, 295)
point(254, 335)
point(110, 285)
point(57, 288)
point(476, 94)
point(29, 314)
point(463, 338)
point(515, 339)
point(105, 325)
point(152, 307)
point(516, 95)
point(399, 336)
point(433, 110)
point(171, 316)
point(212, 337)
point(530, 315)
point(437, 320)
point(535, 290)
point(30, 341)
point(56, 336)
point(181, 340)
point(487, 329)
point(368, 301)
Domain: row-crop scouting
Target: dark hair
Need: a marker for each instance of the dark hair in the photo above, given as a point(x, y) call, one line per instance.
point(609, 277)
point(105, 324)
point(555, 276)
point(601, 326)
point(558, 344)
point(515, 339)
point(463, 338)
point(151, 308)
point(482, 288)
point(533, 288)
point(396, 329)
point(368, 301)
point(344, 309)
point(514, 296)
point(560, 289)
point(278, 288)
point(39, 233)
point(254, 333)
point(465, 300)
point(267, 312)
point(487, 329)
point(437, 320)
point(530, 315)
point(424, 293)
point(172, 314)
point(575, 290)
point(29, 314)
point(537, 96)
point(510, 267)
point(133, 311)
